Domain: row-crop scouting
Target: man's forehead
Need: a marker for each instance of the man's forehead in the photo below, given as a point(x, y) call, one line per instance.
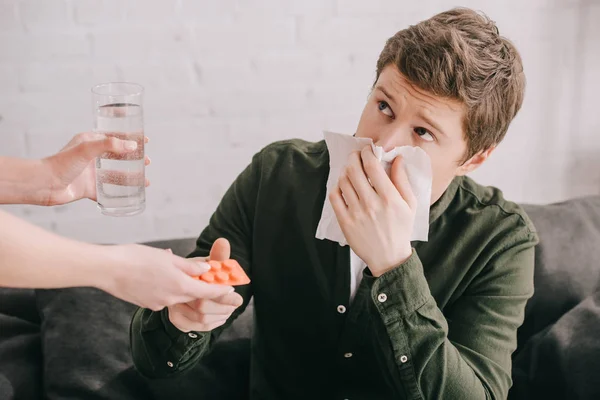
point(393, 82)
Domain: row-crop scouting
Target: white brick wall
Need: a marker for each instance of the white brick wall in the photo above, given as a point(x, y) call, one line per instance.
point(44, 16)
point(224, 78)
point(9, 20)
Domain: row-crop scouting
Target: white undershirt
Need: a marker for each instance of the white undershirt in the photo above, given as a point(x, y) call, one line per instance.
point(356, 271)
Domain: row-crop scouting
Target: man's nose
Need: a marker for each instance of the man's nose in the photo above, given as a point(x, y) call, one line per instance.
point(394, 137)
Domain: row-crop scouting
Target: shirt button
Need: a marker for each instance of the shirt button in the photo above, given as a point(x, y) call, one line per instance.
point(341, 309)
point(382, 297)
point(170, 364)
point(403, 359)
point(348, 355)
point(192, 335)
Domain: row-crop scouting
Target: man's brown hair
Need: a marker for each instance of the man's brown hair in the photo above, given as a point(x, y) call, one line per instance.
point(459, 55)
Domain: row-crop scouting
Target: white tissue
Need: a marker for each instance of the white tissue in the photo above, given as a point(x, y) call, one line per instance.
point(418, 168)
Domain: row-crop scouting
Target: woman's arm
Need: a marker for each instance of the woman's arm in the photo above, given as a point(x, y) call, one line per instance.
point(23, 181)
point(64, 177)
point(31, 257)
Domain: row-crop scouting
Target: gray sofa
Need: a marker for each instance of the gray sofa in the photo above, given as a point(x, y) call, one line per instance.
point(74, 344)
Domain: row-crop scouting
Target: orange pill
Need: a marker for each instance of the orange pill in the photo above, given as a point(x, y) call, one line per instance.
point(228, 272)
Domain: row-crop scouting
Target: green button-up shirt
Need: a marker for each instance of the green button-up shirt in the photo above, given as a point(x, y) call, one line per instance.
point(441, 325)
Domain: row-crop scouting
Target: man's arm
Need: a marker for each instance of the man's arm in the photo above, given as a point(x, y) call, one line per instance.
point(159, 349)
point(465, 354)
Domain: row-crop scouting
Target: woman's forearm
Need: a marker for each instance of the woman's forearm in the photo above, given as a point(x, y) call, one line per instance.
point(23, 181)
point(31, 257)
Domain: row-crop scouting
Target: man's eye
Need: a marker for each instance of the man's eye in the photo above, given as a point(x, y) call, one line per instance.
point(384, 107)
point(424, 134)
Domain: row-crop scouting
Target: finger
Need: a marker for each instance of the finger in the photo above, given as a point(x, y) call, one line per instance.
point(147, 182)
point(184, 310)
point(221, 250)
point(82, 149)
point(230, 300)
point(358, 178)
point(109, 144)
point(214, 325)
point(199, 289)
point(196, 316)
point(400, 180)
point(180, 320)
point(233, 299)
point(81, 154)
point(198, 259)
point(146, 139)
point(147, 161)
point(214, 307)
point(348, 192)
point(209, 319)
point(122, 146)
point(337, 203)
point(83, 137)
point(375, 172)
point(191, 268)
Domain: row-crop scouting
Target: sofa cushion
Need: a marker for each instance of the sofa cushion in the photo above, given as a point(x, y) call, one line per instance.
point(86, 352)
point(20, 356)
point(567, 260)
point(20, 350)
point(19, 303)
point(84, 334)
point(85, 345)
point(180, 246)
point(563, 360)
point(558, 349)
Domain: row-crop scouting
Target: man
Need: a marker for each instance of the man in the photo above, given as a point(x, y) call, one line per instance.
point(435, 319)
point(31, 257)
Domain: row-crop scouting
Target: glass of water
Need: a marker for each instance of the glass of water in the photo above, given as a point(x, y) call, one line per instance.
point(120, 178)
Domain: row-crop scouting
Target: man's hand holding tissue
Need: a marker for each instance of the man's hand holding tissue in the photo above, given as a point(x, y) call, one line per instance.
point(376, 213)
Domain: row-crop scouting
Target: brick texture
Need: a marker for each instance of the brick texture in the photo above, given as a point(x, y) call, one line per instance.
point(224, 78)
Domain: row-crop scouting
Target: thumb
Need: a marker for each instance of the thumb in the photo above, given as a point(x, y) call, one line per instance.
point(221, 250)
point(399, 178)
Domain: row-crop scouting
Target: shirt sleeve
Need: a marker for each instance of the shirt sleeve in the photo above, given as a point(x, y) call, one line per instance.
point(465, 351)
point(158, 348)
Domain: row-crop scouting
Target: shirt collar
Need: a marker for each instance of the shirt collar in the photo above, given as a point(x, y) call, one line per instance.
point(441, 205)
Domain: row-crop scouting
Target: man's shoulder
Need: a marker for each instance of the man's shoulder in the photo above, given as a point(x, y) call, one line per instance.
point(293, 146)
point(291, 175)
point(293, 153)
point(489, 203)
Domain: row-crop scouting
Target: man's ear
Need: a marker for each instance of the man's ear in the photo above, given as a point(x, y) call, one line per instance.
point(474, 162)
